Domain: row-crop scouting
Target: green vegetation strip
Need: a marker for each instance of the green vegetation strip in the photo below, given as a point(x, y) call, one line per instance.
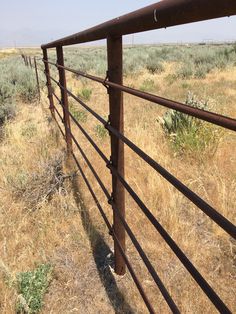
point(32, 286)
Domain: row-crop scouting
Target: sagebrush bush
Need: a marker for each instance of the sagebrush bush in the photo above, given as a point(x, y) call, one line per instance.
point(154, 66)
point(154, 61)
point(7, 111)
point(7, 92)
point(16, 81)
point(185, 71)
point(185, 132)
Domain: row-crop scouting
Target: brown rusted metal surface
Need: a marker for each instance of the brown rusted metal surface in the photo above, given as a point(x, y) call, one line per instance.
point(30, 63)
point(162, 14)
point(64, 98)
point(116, 119)
point(49, 85)
point(23, 56)
point(26, 61)
point(37, 78)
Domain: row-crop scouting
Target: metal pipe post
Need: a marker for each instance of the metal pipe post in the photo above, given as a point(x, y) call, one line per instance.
point(64, 99)
point(115, 69)
point(37, 77)
point(30, 63)
point(49, 85)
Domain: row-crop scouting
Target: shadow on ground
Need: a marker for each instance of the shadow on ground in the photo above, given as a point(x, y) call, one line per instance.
point(101, 251)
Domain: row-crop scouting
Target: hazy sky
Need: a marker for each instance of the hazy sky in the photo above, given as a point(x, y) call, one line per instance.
point(31, 22)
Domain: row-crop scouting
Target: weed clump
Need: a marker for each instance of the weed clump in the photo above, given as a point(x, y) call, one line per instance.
point(85, 93)
point(32, 286)
point(185, 132)
point(101, 131)
point(79, 115)
point(154, 66)
point(29, 130)
point(148, 85)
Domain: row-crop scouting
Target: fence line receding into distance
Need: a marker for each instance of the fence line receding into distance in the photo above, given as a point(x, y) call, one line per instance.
point(159, 15)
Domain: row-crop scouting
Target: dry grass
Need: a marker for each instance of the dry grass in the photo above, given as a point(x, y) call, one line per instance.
point(70, 234)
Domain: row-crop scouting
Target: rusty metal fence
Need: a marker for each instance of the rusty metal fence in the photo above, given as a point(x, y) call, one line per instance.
point(159, 15)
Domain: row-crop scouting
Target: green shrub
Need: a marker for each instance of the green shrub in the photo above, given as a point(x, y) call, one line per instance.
point(148, 85)
point(201, 72)
point(17, 80)
point(79, 115)
point(7, 111)
point(185, 132)
point(7, 106)
point(154, 66)
point(85, 93)
point(101, 132)
point(185, 85)
point(185, 71)
point(234, 48)
point(7, 90)
point(32, 286)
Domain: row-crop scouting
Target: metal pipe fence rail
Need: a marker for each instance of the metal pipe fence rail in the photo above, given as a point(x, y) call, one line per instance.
point(162, 14)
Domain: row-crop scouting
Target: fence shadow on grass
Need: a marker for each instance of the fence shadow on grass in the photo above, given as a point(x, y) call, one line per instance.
point(101, 251)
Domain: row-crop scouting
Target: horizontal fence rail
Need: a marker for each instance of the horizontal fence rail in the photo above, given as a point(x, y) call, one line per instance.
point(162, 14)
point(211, 117)
point(159, 15)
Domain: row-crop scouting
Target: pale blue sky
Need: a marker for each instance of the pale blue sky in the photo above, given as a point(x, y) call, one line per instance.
point(33, 22)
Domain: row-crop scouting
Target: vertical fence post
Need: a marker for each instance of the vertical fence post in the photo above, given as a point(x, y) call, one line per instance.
point(115, 74)
point(37, 77)
point(23, 56)
point(26, 61)
point(64, 98)
point(49, 85)
point(30, 63)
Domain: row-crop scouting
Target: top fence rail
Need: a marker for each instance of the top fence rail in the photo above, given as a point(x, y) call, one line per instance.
point(162, 14)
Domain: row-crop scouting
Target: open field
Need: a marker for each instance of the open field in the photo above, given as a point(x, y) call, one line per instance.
point(47, 214)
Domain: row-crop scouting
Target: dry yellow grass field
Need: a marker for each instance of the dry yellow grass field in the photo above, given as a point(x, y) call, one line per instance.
point(48, 216)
